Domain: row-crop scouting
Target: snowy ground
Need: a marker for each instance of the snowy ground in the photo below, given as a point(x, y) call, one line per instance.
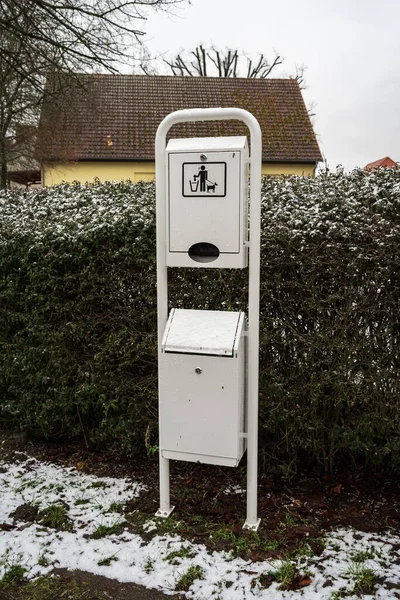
point(93, 507)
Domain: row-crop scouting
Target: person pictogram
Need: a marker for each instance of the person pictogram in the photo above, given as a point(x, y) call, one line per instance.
point(202, 178)
point(202, 175)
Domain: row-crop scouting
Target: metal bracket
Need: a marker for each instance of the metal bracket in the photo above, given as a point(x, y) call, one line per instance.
point(164, 514)
point(252, 527)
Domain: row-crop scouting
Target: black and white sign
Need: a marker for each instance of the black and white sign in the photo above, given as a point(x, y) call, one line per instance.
point(204, 179)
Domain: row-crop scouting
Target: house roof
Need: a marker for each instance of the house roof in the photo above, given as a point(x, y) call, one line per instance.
point(117, 116)
point(382, 162)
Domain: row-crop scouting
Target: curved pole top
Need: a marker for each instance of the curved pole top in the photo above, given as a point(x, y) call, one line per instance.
point(210, 114)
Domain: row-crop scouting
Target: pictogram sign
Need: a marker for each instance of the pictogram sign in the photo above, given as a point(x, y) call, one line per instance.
point(204, 180)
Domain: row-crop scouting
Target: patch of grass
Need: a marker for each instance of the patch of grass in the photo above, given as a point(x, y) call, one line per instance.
point(184, 552)
point(42, 561)
point(241, 543)
point(26, 485)
point(187, 579)
point(103, 530)
point(98, 485)
point(82, 501)
point(284, 574)
point(169, 525)
point(270, 545)
point(244, 542)
point(106, 562)
point(225, 534)
point(339, 594)
point(55, 516)
point(362, 555)
point(291, 520)
point(186, 492)
point(148, 565)
point(51, 588)
point(55, 487)
point(238, 544)
point(362, 577)
point(13, 574)
point(303, 551)
point(43, 588)
point(116, 507)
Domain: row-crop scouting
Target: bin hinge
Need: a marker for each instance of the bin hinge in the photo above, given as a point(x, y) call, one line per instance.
point(243, 435)
point(246, 244)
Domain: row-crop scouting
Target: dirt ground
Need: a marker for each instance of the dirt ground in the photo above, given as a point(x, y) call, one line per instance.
point(77, 585)
point(292, 513)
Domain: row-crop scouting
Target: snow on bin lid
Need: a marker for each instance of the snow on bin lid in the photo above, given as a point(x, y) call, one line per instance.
point(202, 331)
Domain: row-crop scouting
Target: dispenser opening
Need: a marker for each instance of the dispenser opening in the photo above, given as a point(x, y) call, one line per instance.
point(203, 252)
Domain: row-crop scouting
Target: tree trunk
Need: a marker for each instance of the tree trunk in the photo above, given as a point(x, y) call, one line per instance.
point(3, 166)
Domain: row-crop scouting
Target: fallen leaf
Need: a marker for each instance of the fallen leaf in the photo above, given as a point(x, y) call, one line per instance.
point(305, 581)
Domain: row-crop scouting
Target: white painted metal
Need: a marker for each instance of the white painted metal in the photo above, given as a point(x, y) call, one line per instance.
point(201, 332)
point(208, 114)
point(214, 144)
point(215, 214)
point(202, 395)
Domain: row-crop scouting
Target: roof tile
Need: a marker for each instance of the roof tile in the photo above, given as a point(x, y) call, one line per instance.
point(117, 116)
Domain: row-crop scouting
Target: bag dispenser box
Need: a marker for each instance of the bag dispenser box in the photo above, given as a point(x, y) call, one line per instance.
point(201, 372)
point(207, 196)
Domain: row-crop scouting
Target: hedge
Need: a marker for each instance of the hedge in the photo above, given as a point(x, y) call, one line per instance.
point(78, 314)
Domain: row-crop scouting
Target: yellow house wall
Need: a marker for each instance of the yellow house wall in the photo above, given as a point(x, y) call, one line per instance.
point(87, 171)
point(305, 169)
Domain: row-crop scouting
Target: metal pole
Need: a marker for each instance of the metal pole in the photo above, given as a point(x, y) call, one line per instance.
point(252, 522)
point(162, 293)
point(212, 114)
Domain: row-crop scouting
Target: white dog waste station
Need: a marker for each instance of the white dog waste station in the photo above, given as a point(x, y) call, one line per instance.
point(208, 360)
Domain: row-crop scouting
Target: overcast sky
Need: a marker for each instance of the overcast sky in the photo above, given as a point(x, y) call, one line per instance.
point(351, 49)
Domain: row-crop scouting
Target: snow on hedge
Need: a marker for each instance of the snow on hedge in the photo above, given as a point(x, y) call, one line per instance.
point(330, 204)
point(334, 205)
point(70, 212)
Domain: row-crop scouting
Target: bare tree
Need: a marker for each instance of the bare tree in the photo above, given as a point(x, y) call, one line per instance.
point(19, 101)
point(39, 38)
point(203, 62)
point(212, 62)
point(83, 33)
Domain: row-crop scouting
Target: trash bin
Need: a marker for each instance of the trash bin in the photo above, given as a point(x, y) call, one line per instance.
point(202, 395)
point(194, 186)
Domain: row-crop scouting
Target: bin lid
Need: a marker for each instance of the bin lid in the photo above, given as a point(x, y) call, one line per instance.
point(202, 332)
point(214, 144)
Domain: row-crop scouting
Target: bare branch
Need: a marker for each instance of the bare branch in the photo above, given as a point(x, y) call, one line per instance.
point(52, 39)
point(225, 63)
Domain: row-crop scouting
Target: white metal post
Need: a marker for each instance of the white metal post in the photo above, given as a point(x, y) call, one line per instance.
point(208, 114)
point(162, 290)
